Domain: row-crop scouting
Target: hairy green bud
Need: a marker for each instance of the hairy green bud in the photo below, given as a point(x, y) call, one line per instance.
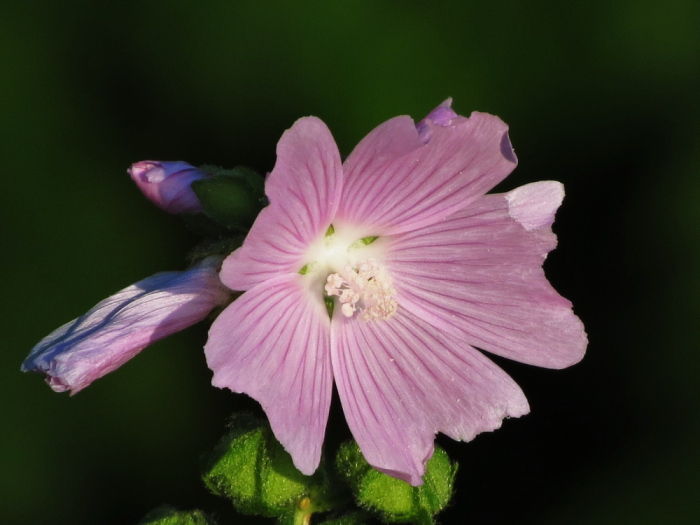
point(250, 467)
point(167, 515)
point(394, 500)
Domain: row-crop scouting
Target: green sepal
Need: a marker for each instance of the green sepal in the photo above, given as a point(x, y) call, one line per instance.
point(204, 226)
point(252, 177)
point(330, 305)
point(369, 240)
point(394, 500)
point(231, 198)
point(250, 467)
point(167, 515)
point(209, 247)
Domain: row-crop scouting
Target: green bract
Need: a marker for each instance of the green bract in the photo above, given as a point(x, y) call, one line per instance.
point(232, 198)
point(394, 500)
point(250, 467)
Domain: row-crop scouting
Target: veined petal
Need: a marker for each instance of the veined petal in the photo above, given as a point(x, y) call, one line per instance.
point(396, 182)
point(119, 327)
point(478, 275)
point(272, 344)
point(533, 206)
point(401, 381)
point(304, 191)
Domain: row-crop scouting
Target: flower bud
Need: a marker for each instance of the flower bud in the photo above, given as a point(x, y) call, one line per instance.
point(250, 467)
point(393, 499)
point(167, 515)
point(167, 184)
point(119, 327)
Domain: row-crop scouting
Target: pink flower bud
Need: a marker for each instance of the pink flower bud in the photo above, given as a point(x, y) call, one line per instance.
point(168, 184)
point(119, 327)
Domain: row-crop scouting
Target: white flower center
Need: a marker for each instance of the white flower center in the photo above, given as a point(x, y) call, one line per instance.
point(345, 265)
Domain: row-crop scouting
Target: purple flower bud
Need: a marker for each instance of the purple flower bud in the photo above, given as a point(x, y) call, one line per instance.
point(168, 184)
point(119, 327)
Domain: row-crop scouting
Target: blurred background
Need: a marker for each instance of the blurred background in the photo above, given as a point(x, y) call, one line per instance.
point(601, 95)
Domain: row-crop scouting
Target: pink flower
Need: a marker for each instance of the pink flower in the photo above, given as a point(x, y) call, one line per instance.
point(420, 267)
point(168, 184)
point(119, 327)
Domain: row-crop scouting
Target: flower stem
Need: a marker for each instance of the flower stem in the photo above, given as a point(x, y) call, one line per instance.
point(302, 518)
point(303, 512)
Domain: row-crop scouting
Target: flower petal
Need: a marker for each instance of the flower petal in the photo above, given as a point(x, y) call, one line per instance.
point(272, 344)
point(478, 275)
point(394, 182)
point(441, 115)
point(400, 381)
point(534, 205)
point(304, 190)
point(119, 327)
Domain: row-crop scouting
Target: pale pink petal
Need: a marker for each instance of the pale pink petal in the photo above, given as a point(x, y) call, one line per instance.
point(478, 276)
point(304, 190)
point(534, 205)
point(401, 381)
point(119, 327)
point(272, 344)
point(395, 183)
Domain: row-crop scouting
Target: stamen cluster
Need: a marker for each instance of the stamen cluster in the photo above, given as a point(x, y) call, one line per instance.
point(366, 287)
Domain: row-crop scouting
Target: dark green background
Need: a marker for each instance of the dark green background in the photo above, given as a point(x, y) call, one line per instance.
point(601, 95)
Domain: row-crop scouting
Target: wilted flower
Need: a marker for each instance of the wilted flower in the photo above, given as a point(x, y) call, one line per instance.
point(167, 184)
point(119, 327)
point(383, 274)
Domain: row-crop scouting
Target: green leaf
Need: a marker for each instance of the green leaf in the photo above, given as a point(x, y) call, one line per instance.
point(231, 198)
point(396, 501)
point(167, 515)
point(250, 467)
